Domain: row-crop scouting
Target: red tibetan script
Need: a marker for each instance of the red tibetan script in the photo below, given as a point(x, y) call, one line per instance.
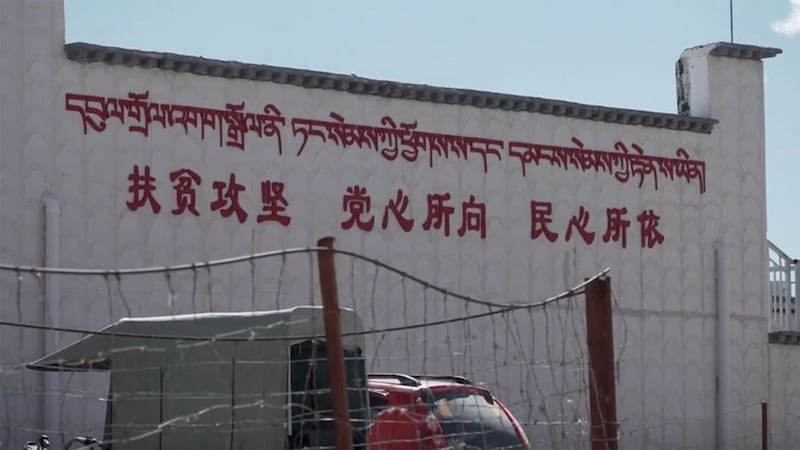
point(392, 139)
point(231, 124)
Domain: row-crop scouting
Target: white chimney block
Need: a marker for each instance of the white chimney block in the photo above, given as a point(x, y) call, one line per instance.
point(725, 82)
point(714, 78)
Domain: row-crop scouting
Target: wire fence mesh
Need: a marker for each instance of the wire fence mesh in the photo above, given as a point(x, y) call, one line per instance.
point(160, 362)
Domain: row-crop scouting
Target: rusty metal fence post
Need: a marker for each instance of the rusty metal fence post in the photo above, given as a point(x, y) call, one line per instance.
point(602, 382)
point(333, 338)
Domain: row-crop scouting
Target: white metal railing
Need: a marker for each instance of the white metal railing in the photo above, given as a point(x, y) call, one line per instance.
point(783, 275)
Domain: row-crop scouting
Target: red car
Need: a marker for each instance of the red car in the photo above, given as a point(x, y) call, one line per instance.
point(438, 412)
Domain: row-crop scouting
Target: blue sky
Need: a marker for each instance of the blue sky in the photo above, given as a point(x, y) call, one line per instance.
point(611, 52)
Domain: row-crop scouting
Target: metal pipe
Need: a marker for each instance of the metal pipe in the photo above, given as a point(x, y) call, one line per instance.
point(723, 348)
point(333, 339)
point(787, 293)
point(764, 426)
point(51, 402)
point(730, 9)
point(792, 295)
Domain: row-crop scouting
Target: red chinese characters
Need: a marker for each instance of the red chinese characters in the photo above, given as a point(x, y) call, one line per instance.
point(185, 196)
point(227, 196)
point(473, 217)
point(650, 234)
point(227, 202)
point(441, 213)
point(398, 207)
point(358, 204)
point(579, 223)
point(274, 204)
point(541, 218)
point(615, 226)
point(142, 189)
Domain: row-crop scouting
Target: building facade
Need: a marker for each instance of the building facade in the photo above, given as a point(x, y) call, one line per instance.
point(141, 159)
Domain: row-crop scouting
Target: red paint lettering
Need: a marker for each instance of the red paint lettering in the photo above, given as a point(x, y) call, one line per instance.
point(473, 217)
point(274, 202)
point(185, 180)
point(438, 213)
point(541, 216)
point(358, 203)
point(136, 104)
point(406, 139)
point(649, 224)
point(142, 188)
point(617, 226)
point(580, 223)
point(398, 207)
point(92, 109)
point(227, 201)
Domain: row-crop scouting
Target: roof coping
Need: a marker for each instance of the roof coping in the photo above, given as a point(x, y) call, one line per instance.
point(91, 53)
point(737, 51)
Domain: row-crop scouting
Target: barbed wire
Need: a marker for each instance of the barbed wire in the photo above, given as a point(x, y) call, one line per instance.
point(160, 269)
point(167, 270)
point(578, 290)
point(531, 353)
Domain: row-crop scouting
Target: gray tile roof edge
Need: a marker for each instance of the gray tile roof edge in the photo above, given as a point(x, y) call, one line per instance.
point(744, 51)
point(784, 337)
point(86, 53)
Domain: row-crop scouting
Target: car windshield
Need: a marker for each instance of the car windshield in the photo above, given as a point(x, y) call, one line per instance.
point(474, 421)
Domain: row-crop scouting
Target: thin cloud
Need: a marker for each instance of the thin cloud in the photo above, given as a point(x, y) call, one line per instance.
point(789, 25)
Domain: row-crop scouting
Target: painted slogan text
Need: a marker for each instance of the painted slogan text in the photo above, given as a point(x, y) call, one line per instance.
point(393, 140)
point(444, 213)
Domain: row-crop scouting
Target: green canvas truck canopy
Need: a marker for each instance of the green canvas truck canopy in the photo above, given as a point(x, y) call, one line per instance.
point(209, 381)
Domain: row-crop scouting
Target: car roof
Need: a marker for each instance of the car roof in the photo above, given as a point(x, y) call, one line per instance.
point(438, 382)
point(389, 386)
point(394, 381)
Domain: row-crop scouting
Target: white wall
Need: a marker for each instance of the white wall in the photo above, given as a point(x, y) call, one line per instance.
point(784, 401)
point(665, 329)
point(31, 53)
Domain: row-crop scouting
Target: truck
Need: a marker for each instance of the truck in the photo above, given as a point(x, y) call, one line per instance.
point(218, 381)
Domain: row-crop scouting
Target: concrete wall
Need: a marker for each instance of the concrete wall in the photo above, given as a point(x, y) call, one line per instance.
point(665, 323)
point(784, 395)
